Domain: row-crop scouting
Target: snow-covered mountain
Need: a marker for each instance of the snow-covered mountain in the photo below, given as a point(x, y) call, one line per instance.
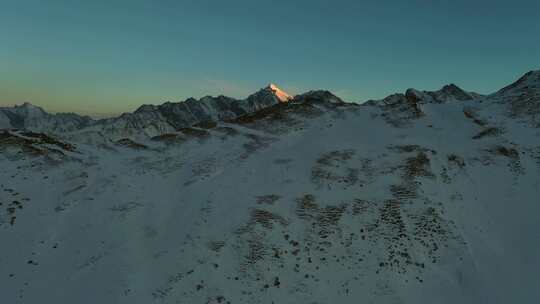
point(148, 120)
point(28, 116)
point(156, 120)
point(421, 197)
point(520, 99)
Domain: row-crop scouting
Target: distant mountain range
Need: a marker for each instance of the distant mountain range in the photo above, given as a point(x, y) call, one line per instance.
point(154, 120)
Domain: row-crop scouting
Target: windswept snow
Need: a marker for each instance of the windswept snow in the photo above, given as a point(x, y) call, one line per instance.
point(309, 201)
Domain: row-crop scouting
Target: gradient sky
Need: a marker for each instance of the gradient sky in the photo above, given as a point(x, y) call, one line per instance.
point(97, 56)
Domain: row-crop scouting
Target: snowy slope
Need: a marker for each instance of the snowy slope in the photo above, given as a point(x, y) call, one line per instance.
point(402, 200)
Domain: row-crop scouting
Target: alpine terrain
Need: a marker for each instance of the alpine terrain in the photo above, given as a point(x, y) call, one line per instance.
point(421, 197)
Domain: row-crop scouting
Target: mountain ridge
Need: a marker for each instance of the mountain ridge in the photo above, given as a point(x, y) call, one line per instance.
point(153, 120)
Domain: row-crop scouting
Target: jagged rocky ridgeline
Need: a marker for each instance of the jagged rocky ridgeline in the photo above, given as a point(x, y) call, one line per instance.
point(155, 120)
point(521, 98)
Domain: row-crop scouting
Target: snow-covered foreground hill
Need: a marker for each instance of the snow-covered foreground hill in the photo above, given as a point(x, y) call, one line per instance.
point(414, 199)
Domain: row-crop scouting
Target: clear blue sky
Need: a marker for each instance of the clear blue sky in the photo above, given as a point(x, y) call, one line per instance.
point(111, 56)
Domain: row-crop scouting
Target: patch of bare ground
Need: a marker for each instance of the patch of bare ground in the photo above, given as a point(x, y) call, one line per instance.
point(417, 166)
point(254, 144)
point(513, 156)
point(280, 118)
point(392, 229)
point(209, 124)
point(525, 105)
point(253, 234)
point(377, 226)
point(448, 172)
point(11, 203)
point(489, 132)
point(431, 231)
point(412, 168)
point(471, 114)
point(399, 110)
point(216, 246)
point(129, 143)
point(269, 199)
point(34, 144)
point(264, 218)
point(456, 160)
point(410, 149)
point(279, 112)
point(362, 206)
point(404, 192)
point(194, 133)
point(124, 209)
point(325, 220)
point(386, 236)
point(169, 138)
point(534, 153)
point(203, 169)
point(331, 170)
point(45, 139)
